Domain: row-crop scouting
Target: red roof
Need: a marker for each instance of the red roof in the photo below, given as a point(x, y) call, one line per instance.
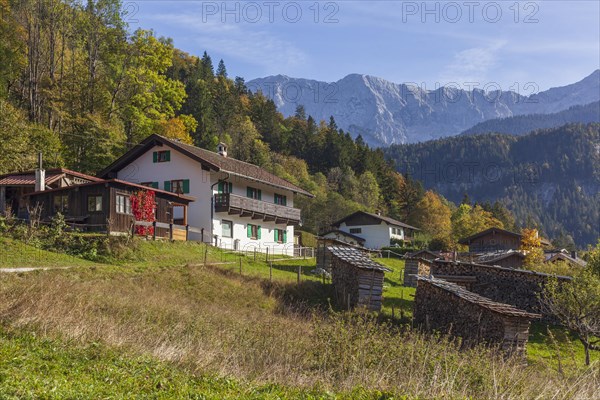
point(27, 178)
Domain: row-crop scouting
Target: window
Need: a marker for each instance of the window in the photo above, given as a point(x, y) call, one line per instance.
point(150, 184)
point(61, 203)
point(161, 156)
point(280, 199)
point(355, 230)
point(253, 231)
point(123, 204)
point(253, 193)
point(95, 203)
point(226, 229)
point(179, 186)
point(225, 187)
point(280, 235)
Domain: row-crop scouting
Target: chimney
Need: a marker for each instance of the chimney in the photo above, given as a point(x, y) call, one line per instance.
point(574, 255)
point(222, 149)
point(40, 175)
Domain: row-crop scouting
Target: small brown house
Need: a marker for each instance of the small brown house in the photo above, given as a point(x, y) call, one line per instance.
point(14, 187)
point(494, 239)
point(105, 205)
point(357, 279)
point(449, 308)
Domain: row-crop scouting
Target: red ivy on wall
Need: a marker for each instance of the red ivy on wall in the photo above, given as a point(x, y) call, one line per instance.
point(143, 206)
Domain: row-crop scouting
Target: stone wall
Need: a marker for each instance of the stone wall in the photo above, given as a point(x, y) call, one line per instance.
point(517, 287)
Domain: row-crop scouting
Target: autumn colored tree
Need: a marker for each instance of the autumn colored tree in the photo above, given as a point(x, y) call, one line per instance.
point(467, 220)
point(531, 244)
point(433, 216)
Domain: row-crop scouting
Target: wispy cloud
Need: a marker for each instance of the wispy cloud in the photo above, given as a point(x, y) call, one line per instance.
point(250, 43)
point(472, 65)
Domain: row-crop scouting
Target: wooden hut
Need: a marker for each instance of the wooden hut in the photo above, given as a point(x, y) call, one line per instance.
point(357, 279)
point(449, 308)
point(105, 206)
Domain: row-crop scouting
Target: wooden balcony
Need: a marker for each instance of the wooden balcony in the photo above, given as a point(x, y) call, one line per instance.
point(256, 209)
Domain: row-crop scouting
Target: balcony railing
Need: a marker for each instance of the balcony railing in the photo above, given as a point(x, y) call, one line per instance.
point(256, 209)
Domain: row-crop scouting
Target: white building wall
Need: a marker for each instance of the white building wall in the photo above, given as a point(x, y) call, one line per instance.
point(203, 185)
point(376, 236)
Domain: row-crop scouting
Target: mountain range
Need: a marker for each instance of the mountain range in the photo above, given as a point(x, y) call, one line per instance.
point(386, 113)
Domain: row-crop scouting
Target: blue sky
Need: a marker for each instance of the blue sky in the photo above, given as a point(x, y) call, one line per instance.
point(499, 44)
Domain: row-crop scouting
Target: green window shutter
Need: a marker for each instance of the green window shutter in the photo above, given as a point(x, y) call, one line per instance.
point(168, 155)
point(276, 234)
point(230, 187)
point(285, 200)
point(258, 232)
point(155, 185)
point(249, 230)
point(259, 194)
point(220, 186)
point(155, 156)
point(248, 191)
point(168, 186)
point(186, 186)
point(285, 236)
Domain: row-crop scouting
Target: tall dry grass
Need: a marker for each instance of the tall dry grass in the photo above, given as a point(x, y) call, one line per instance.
point(213, 323)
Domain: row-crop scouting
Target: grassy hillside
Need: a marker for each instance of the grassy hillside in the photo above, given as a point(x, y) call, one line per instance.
point(155, 321)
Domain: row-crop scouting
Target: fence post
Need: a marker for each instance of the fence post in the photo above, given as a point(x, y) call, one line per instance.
point(299, 273)
point(154, 230)
point(267, 257)
point(271, 271)
point(202, 235)
point(240, 264)
point(187, 233)
point(205, 253)
point(255, 254)
point(171, 231)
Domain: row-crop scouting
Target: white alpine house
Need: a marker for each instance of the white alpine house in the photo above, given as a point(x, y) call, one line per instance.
point(238, 205)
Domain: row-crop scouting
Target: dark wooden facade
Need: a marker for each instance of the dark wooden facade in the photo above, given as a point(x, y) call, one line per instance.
point(108, 218)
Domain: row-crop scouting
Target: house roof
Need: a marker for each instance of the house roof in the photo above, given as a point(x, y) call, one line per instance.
point(468, 239)
point(418, 253)
point(27, 178)
point(357, 258)
point(387, 220)
point(565, 257)
point(495, 256)
point(117, 181)
point(461, 292)
point(350, 235)
point(208, 158)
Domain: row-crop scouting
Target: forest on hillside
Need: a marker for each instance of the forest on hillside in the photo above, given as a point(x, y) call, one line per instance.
point(77, 84)
point(522, 124)
point(548, 178)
